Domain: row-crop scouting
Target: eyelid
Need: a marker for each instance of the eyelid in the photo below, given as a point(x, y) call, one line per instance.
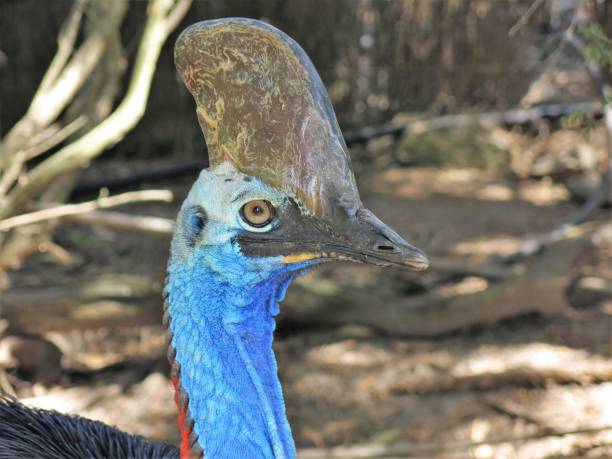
point(245, 197)
point(253, 229)
point(240, 196)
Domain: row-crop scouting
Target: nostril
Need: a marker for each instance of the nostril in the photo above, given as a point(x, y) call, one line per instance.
point(387, 248)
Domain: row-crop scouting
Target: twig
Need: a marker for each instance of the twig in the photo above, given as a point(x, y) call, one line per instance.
point(56, 138)
point(543, 241)
point(524, 18)
point(177, 14)
point(84, 207)
point(59, 253)
point(11, 174)
point(513, 410)
point(5, 385)
point(553, 57)
point(117, 220)
point(65, 45)
point(518, 116)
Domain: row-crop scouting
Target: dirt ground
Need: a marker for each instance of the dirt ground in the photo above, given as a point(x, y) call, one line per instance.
point(534, 386)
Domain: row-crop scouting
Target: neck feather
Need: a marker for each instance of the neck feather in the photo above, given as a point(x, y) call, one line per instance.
point(221, 321)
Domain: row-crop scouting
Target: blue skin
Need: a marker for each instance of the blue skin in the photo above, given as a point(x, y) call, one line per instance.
point(222, 306)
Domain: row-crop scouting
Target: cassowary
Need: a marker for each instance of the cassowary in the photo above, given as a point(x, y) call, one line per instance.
point(278, 198)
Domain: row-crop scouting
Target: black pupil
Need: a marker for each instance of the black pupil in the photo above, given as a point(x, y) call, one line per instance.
point(258, 210)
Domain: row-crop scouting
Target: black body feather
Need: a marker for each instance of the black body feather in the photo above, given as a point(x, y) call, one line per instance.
point(27, 433)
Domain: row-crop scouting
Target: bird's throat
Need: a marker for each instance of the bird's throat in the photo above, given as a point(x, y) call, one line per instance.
point(225, 370)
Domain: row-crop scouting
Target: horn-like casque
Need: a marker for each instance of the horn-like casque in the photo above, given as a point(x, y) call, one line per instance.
point(261, 105)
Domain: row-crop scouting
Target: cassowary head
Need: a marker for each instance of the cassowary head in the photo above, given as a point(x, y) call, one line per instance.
point(278, 197)
point(280, 189)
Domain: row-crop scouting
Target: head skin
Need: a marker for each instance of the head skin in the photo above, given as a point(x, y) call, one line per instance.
point(210, 215)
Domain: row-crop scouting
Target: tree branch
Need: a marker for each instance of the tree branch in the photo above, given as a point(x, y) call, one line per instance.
point(118, 220)
point(53, 96)
point(524, 18)
point(177, 14)
point(65, 46)
point(56, 138)
point(113, 128)
point(84, 207)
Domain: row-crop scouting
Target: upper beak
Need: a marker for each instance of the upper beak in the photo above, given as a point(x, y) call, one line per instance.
point(360, 237)
point(369, 240)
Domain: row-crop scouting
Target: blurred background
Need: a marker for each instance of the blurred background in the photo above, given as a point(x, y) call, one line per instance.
point(480, 129)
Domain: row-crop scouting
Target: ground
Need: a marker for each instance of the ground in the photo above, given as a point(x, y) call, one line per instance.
point(533, 386)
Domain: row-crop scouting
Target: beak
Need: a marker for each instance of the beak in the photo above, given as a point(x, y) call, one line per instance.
point(360, 238)
point(371, 241)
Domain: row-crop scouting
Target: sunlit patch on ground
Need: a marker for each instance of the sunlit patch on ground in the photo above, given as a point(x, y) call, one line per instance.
point(486, 247)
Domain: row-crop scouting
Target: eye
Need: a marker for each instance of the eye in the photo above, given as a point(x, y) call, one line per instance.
point(257, 213)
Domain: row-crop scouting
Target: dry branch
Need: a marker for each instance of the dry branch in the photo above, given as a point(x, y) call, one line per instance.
point(162, 14)
point(57, 137)
point(463, 120)
point(103, 202)
point(518, 116)
point(65, 46)
point(525, 18)
point(426, 315)
point(65, 76)
point(121, 221)
point(11, 174)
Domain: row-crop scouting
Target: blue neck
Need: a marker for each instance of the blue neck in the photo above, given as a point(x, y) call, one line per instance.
point(221, 314)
